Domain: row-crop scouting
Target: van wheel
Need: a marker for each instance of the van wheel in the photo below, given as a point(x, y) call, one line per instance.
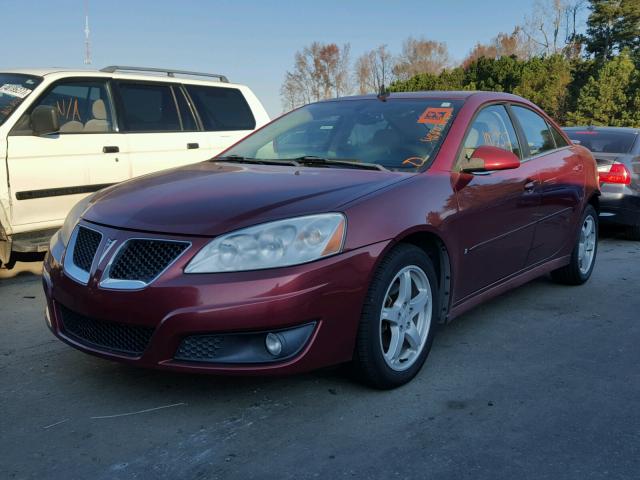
point(398, 320)
point(583, 257)
point(633, 232)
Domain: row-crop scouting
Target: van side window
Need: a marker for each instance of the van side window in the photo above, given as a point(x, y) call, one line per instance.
point(222, 109)
point(536, 130)
point(148, 108)
point(186, 115)
point(83, 107)
point(493, 127)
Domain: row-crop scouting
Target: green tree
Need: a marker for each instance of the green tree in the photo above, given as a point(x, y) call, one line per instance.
point(612, 26)
point(545, 81)
point(496, 75)
point(612, 97)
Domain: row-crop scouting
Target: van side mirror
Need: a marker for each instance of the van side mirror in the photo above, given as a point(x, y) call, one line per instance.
point(45, 120)
point(487, 158)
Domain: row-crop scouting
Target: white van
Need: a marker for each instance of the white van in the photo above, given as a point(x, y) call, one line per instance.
point(65, 134)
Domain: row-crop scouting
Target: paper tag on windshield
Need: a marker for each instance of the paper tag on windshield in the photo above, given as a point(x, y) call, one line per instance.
point(436, 116)
point(14, 90)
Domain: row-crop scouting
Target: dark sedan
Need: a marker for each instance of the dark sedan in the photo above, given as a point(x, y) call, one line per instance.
point(617, 151)
point(346, 230)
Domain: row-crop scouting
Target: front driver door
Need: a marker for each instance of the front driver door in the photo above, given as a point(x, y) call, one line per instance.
point(496, 221)
point(48, 174)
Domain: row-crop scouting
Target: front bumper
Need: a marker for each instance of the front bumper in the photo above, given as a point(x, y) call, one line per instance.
point(328, 294)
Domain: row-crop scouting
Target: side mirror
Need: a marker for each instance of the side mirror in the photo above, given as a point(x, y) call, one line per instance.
point(487, 158)
point(44, 120)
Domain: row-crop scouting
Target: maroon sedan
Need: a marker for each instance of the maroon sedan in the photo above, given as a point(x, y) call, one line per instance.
point(346, 230)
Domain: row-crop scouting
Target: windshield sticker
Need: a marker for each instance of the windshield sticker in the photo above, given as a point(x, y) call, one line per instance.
point(445, 104)
point(415, 161)
point(14, 90)
point(436, 116)
point(433, 135)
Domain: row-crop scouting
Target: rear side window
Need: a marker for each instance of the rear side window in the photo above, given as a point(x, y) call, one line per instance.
point(492, 127)
point(222, 109)
point(557, 136)
point(148, 108)
point(186, 115)
point(536, 130)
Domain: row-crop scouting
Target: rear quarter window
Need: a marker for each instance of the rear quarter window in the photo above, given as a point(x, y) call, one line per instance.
point(221, 109)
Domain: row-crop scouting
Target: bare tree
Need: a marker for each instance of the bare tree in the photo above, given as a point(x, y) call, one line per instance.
point(552, 26)
point(320, 71)
point(373, 70)
point(515, 44)
point(421, 56)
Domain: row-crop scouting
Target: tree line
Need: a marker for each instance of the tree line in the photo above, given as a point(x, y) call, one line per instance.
point(578, 75)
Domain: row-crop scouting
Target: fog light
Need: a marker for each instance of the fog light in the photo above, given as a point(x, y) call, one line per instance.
point(273, 342)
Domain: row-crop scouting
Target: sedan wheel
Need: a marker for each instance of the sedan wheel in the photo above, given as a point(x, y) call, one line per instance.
point(398, 318)
point(405, 317)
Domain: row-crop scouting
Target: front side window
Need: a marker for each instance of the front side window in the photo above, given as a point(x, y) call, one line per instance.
point(221, 109)
point(493, 127)
point(536, 130)
point(82, 106)
point(14, 89)
point(148, 108)
point(398, 134)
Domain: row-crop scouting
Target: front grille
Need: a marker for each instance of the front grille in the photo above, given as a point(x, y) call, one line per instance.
point(87, 242)
point(200, 348)
point(144, 260)
point(118, 337)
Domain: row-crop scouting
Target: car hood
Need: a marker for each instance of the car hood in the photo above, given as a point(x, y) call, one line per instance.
point(211, 198)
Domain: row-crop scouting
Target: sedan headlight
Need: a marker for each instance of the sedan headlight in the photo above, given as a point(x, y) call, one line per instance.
point(73, 217)
point(275, 244)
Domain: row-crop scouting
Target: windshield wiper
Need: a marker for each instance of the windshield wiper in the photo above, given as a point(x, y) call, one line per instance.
point(259, 161)
point(313, 161)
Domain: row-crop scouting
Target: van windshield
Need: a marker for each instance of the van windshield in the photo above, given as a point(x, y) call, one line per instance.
point(14, 88)
point(397, 134)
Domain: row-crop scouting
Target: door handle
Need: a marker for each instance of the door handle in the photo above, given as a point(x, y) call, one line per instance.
point(192, 146)
point(530, 186)
point(110, 149)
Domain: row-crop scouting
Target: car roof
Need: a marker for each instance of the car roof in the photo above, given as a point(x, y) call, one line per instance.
point(139, 75)
point(602, 129)
point(440, 94)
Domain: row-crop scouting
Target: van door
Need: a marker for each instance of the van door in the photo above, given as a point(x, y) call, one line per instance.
point(48, 174)
point(225, 115)
point(160, 127)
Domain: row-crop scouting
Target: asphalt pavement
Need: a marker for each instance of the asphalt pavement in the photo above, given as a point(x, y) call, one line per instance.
point(540, 383)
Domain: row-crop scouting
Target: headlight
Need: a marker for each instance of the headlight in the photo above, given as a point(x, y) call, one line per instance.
point(73, 217)
point(275, 244)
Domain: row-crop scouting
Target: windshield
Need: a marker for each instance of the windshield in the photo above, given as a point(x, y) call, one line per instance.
point(601, 141)
point(397, 134)
point(14, 88)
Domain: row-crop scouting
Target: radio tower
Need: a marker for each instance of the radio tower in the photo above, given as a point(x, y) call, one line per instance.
point(87, 42)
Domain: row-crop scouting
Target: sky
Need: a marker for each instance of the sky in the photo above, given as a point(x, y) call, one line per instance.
point(252, 42)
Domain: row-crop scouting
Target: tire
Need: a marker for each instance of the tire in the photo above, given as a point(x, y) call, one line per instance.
point(576, 272)
point(390, 351)
point(633, 232)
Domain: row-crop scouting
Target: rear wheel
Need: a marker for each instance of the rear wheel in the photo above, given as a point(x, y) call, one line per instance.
point(398, 319)
point(583, 257)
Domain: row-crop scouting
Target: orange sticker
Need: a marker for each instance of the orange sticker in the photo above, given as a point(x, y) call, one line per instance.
point(415, 161)
point(436, 116)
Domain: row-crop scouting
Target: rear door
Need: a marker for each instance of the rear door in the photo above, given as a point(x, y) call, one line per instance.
point(160, 126)
point(225, 115)
point(562, 180)
point(49, 174)
point(497, 210)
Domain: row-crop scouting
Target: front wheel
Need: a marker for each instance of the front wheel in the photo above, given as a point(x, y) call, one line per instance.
point(583, 256)
point(398, 319)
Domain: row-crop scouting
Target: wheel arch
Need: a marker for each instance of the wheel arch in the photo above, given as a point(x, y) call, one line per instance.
point(436, 249)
